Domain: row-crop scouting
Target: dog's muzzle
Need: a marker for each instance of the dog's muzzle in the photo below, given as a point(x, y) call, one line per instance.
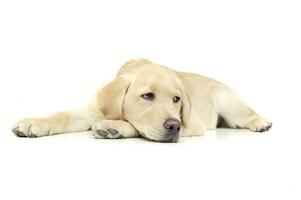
point(172, 130)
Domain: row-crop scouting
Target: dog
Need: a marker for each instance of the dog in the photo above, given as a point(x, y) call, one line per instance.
point(153, 101)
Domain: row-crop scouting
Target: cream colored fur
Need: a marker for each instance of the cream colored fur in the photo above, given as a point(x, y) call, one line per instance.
point(117, 110)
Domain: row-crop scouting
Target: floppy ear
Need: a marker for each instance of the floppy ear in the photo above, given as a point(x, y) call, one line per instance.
point(185, 109)
point(191, 122)
point(110, 99)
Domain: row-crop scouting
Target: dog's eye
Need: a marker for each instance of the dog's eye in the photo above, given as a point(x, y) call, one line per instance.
point(148, 96)
point(176, 99)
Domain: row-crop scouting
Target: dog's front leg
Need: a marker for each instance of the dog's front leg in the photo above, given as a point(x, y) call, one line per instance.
point(62, 122)
point(113, 129)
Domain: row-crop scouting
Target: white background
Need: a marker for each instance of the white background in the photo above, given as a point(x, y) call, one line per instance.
point(54, 54)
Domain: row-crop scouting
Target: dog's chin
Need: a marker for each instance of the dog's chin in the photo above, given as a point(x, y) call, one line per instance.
point(169, 140)
point(166, 139)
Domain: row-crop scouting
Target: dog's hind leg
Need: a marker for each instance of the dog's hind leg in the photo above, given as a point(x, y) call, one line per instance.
point(235, 112)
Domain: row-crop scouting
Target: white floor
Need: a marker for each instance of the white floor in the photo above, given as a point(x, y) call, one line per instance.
point(223, 164)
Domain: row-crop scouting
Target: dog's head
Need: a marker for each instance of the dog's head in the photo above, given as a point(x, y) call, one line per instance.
point(149, 96)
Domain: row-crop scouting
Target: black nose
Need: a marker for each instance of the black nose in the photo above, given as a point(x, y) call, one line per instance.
point(172, 126)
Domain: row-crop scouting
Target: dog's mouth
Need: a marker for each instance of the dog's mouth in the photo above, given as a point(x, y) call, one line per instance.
point(167, 139)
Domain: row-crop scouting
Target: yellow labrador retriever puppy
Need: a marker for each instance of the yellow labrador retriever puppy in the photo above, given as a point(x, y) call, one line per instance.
point(155, 102)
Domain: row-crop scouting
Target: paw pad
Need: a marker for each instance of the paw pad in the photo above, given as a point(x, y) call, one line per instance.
point(107, 134)
point(21, 134)
point(267, 128)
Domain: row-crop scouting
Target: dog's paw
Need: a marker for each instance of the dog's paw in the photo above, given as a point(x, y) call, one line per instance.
point(259, 124)
point(107, 134)
point(103, 130)
point(30, 128)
